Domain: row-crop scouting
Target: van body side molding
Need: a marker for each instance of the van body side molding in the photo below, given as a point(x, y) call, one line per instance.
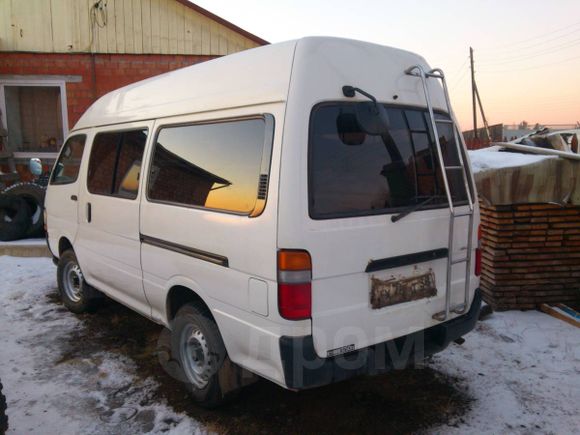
point(405, 260)
point(220, 260)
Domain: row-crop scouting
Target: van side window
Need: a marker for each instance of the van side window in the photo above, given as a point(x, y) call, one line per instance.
point(115, 163)
point(67, 167)
point(214, 166)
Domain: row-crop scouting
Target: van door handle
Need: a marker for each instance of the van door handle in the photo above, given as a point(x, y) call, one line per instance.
point(89, 212)
point(74, 197)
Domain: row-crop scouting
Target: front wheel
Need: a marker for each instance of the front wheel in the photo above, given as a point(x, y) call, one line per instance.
point(76, 294)
point(198, 347)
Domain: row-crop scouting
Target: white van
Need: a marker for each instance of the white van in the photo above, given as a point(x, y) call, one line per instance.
point(302, 211)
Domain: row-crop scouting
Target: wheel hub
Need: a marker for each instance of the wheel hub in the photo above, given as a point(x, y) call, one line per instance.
point(73, 278)
point(195, 355)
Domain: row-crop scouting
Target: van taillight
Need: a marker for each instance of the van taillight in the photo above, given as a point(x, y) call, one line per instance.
point(478, 253)
point(294, 284)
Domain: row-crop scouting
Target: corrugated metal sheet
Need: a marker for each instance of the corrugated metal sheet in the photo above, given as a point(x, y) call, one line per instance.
point(117, 26)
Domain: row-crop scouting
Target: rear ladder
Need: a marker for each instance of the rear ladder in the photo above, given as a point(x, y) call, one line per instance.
point(418, 71)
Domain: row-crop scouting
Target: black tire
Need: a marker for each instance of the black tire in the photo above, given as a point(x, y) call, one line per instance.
point(3, 416)
point(33, 194)
point(192, 316)
point(78, 296)
point(14, 218)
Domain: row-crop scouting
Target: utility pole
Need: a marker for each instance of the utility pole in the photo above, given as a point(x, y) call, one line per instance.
point(473, 96)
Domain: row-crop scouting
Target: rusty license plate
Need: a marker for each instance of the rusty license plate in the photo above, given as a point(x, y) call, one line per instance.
point(392, 291)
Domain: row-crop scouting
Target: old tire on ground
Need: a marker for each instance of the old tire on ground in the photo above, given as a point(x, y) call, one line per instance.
point(197, 345)
point(14, 218)
point(78, 296)
point(33, 194)
point(3, 416)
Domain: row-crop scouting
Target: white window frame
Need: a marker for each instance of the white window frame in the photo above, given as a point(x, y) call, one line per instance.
point(61, 84)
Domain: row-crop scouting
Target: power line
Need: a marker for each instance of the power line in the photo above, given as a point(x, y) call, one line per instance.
point(534, 45)
point(484, 71)
point(549, 50)
point(541, 36)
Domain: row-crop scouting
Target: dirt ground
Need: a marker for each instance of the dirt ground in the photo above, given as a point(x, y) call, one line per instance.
point(403, 401)
point(517, 373)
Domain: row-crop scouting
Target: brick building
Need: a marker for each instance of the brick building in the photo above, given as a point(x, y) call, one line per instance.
point(57, 57)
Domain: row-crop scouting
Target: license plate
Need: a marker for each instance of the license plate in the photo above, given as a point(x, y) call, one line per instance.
point(392, 291)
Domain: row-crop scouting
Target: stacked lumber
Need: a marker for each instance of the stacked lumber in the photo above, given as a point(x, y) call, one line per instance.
point(530, 255)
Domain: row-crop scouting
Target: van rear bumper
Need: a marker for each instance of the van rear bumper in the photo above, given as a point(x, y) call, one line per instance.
point(304, 369)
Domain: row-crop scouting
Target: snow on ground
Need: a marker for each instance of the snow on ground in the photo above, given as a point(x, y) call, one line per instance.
point(491, 158)
point(49, 394)
point(25, 242)
point(521, 369)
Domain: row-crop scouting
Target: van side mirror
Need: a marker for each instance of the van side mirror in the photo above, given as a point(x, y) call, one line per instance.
point(35, 166)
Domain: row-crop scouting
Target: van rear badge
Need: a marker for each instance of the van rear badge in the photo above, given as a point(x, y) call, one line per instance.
point(340, 350)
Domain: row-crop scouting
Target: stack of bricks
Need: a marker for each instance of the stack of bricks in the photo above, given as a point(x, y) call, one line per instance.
point(530, 255)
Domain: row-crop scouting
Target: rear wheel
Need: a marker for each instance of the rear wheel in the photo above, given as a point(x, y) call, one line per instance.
point(76, 294)
point(3, 416)
point(198, 347)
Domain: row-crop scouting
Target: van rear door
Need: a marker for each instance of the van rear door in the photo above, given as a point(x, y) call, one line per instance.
point(375, 278)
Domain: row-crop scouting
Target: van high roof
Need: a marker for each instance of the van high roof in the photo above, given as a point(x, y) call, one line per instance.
point(312, 68)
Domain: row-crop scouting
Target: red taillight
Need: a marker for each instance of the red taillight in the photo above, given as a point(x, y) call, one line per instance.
point(478, 253)
point(294, 287)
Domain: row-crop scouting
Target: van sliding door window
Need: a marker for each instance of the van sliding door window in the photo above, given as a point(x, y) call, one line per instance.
point(67, 167)
point(222, 166)
point(115, 163)
point(354, 173)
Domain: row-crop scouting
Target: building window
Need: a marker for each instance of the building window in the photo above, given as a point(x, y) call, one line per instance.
point(34, 114)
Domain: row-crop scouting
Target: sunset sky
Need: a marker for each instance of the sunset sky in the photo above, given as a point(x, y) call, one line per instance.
point(527, 53)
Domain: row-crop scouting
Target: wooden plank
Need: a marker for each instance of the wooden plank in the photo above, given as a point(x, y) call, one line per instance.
point(61, 32)
point(128, 27)
point(205, 36)
point(146, 22)
point(536, 150)
point(164, 26)
point(558, 314)
point(6, 43)
point(180, 27)
point(189, 29)
point(173, 14)
point(84, 28)
point(214, 44)
point(111, 27)
point(155, 21)
point(100, 16)
point(120, 26)
point(195, 33)
point(137, 27)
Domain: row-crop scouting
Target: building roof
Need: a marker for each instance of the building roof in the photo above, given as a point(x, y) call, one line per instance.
point(311, 70)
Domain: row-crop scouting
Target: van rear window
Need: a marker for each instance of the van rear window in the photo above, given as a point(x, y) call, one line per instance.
point(353, 173)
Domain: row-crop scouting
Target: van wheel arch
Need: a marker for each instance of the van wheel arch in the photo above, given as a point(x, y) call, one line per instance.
point(64, 244)
point(178, 296)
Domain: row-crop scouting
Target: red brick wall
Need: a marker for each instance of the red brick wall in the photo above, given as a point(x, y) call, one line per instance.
point(530, 255)
point(101, 73)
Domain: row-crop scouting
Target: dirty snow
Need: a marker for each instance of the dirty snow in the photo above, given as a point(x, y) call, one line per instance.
point(520, 369)
point(491, 158)
point(49, 396)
